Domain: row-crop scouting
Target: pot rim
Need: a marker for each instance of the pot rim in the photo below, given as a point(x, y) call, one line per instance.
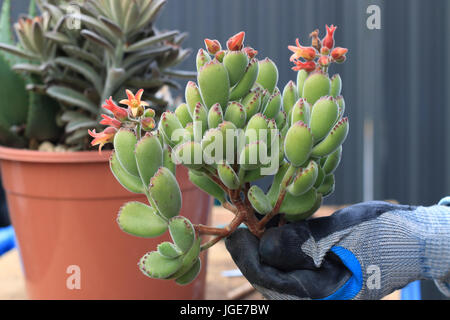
point(25, 155)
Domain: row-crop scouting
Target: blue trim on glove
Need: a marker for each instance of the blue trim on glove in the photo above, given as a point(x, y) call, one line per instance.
point(445, 202)
point(7, 241)
point(353, 285)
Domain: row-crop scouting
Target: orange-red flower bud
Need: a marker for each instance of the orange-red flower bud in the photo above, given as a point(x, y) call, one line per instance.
point(148, 124)
point(338, 53)
point(308, 66)
point(102, 138)
point(328, 41)
point(119, 113)
point(324, 61)
point(212, 46)
point(108, 121)
point(235, 43)
point(149, 113)
point(307, 53)
point(219, 55)
point(325, 51)
point(250, 52)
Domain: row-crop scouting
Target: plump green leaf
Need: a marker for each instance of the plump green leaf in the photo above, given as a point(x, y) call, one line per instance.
point(127, 180)
point(182, 233)
point(166, 193)
point(155, 265)
point(141, 220)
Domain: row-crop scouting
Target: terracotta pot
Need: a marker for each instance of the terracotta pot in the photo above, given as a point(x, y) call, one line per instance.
point(63, 207)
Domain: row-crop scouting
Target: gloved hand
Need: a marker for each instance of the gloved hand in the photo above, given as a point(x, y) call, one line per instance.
point(364, 251)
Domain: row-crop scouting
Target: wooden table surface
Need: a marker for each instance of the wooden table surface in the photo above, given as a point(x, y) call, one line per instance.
point(12, 285)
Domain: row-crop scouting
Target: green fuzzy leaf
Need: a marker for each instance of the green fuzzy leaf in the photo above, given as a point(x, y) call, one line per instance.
point(333, 140)
point(336, 85)
point(298, 144)
point(273, 105)
point(236, 63)
point(235, 113)
point(182, 233)
point(141, 220)
point(316, 85)
point(166, 193)
point(227, 175)
point(155, 265)
point(215, 116)
point(332, 161)
point(252, 103)
point(301, 77)
point(214, 84)
point(167, 160)
point(130, 182)
point(300, 112)
point(190, 276)
point(189, 259)
point(304, 179)
point(124, 143)
point(169, 250)
point(205, 184)
point(324, 114)
point(149, 157)
point(247, 81)
point(268, 75)
point(327, 186)
point(293, 205)
point(259, 201)
point(289, 96)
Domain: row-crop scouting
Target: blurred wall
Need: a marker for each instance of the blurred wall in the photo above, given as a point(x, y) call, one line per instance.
point(396, 81)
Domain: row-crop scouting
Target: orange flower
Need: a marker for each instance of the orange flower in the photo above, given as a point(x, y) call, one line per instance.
point(119, 113)
point(328, 41)
point(103, 137)
point(250, 52)
point(307, 53)
point(134, 102)
point(235, 42)
point(338, 53)
point(308, 66)
point(108, 121)
point(212, 46)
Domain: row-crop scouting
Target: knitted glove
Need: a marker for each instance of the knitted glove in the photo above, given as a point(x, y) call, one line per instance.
point(364, 251)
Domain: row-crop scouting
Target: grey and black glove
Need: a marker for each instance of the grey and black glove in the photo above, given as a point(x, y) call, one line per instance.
point(364, 251)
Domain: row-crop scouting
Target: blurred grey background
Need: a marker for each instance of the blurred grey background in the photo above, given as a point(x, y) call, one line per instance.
point(395, 81)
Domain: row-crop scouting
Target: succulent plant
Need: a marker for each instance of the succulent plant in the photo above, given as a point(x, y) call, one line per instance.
point(23, 115)
point(82, 53)
point(234, 128)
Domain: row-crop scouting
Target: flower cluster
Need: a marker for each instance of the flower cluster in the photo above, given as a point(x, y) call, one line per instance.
point(320, 54)
point(122, 117)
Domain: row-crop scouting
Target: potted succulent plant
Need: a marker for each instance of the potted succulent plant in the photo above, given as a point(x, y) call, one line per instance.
point(72, 59)
point(235, 127)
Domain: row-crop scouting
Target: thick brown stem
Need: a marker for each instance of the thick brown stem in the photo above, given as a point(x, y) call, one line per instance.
point(202, 229)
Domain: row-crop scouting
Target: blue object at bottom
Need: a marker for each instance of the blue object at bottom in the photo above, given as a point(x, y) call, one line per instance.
point(411, 291)
point(7, 240)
